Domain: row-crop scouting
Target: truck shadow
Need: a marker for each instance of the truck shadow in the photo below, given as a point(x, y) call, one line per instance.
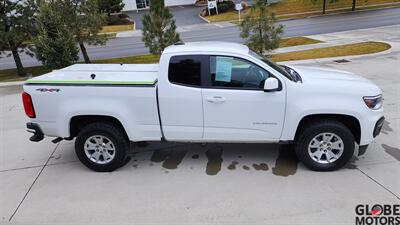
point(213, 158)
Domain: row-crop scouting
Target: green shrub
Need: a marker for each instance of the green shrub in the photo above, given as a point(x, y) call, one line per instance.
point(110, 6)
point(121, 19)
point(225, 6)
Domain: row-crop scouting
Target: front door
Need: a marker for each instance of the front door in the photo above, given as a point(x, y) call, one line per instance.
point(235, 106)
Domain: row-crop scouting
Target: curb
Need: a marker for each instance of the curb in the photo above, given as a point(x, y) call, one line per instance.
point(349, 57)
point(204, 19)
point(11, 83)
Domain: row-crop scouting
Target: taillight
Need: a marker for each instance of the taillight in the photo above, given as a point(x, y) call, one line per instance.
point(28, 105)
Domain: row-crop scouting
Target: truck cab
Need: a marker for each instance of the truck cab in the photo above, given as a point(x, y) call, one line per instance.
point(218, 95)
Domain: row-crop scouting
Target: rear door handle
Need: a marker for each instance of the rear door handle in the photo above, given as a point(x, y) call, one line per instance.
point(216, 99)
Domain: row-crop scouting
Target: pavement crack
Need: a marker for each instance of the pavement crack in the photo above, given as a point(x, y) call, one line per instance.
point(32, 167)
point(33, 183)
point(379, 183)
point(21, 168)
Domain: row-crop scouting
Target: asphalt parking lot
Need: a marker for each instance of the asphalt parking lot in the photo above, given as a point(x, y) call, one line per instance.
point(44, 183)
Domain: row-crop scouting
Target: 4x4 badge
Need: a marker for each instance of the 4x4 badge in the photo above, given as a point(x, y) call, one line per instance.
point(48, 89)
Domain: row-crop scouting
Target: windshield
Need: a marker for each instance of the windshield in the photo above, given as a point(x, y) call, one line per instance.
point(275, 66)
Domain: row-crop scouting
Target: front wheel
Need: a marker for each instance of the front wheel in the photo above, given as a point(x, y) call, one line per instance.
point(101, 147)
point(325, 145)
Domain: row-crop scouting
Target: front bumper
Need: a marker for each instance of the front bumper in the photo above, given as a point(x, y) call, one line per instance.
point(371, 125)
point(377, 130)
point(36, 130)
point(378, 126)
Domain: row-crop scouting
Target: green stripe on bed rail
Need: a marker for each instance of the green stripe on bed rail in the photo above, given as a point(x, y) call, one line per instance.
point(90, 82)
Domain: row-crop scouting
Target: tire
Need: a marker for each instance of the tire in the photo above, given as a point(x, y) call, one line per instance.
point(110, 143)
point(324, 145)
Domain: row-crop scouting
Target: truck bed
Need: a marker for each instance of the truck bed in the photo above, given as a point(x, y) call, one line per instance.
point(120, 74)
point(124, 92)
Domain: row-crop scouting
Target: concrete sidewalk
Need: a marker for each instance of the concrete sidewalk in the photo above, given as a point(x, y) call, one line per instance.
point(388, 34)
point(179, 29)
point(11, 83)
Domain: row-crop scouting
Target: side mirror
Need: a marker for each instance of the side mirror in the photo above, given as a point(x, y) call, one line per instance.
point(271, 84)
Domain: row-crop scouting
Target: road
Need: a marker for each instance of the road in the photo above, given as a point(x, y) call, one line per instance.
point(120, 47)
point(184, 15)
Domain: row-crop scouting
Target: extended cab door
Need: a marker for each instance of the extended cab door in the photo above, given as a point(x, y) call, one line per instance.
point(180, 98)
point(236, 108)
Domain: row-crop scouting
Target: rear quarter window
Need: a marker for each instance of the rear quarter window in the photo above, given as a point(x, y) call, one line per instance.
point(185, 70)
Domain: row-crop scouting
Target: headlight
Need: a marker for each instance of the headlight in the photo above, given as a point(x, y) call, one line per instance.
point(373, 102)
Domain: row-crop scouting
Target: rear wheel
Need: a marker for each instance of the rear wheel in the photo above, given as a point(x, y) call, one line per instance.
point(101, 147)
point(325, 145)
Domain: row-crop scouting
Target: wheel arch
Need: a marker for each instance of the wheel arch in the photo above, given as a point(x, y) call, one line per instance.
point(77, 122)
point(351, 122)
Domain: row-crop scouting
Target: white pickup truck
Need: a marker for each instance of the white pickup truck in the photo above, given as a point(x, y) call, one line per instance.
point(205, 92)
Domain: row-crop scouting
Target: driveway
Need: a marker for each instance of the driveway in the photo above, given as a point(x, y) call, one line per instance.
point(197, 184)
point(184, 15)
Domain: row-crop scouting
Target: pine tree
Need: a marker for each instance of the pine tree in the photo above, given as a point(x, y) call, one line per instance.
point(259, 29)
point(54, 44)
point(159, 29)
point(16, 28)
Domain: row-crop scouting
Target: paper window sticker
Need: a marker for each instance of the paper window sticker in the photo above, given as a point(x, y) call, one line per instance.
point(223, 69)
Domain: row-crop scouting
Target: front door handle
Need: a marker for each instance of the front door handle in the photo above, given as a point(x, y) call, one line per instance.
point(216, 99)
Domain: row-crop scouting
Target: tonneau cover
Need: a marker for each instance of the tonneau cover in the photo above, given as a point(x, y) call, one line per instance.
point(86, 74)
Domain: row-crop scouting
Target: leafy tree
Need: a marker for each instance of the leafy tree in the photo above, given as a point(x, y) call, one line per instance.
point(16, 28)
point(54, 44)
point(110, 6)
point(84, 21)
point(159, 29)
point(259, 29)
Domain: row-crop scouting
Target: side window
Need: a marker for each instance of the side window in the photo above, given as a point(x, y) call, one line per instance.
point(234, 72)
point(185, 70)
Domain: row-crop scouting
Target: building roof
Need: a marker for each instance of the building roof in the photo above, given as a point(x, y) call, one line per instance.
point(207, 46)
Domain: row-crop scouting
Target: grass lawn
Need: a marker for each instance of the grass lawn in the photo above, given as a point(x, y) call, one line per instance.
point(335, 51)
point(299, 6)
point(340, 50)
point(10, 74)
point(294, 41)
point(130, 59)
point(116, 28)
